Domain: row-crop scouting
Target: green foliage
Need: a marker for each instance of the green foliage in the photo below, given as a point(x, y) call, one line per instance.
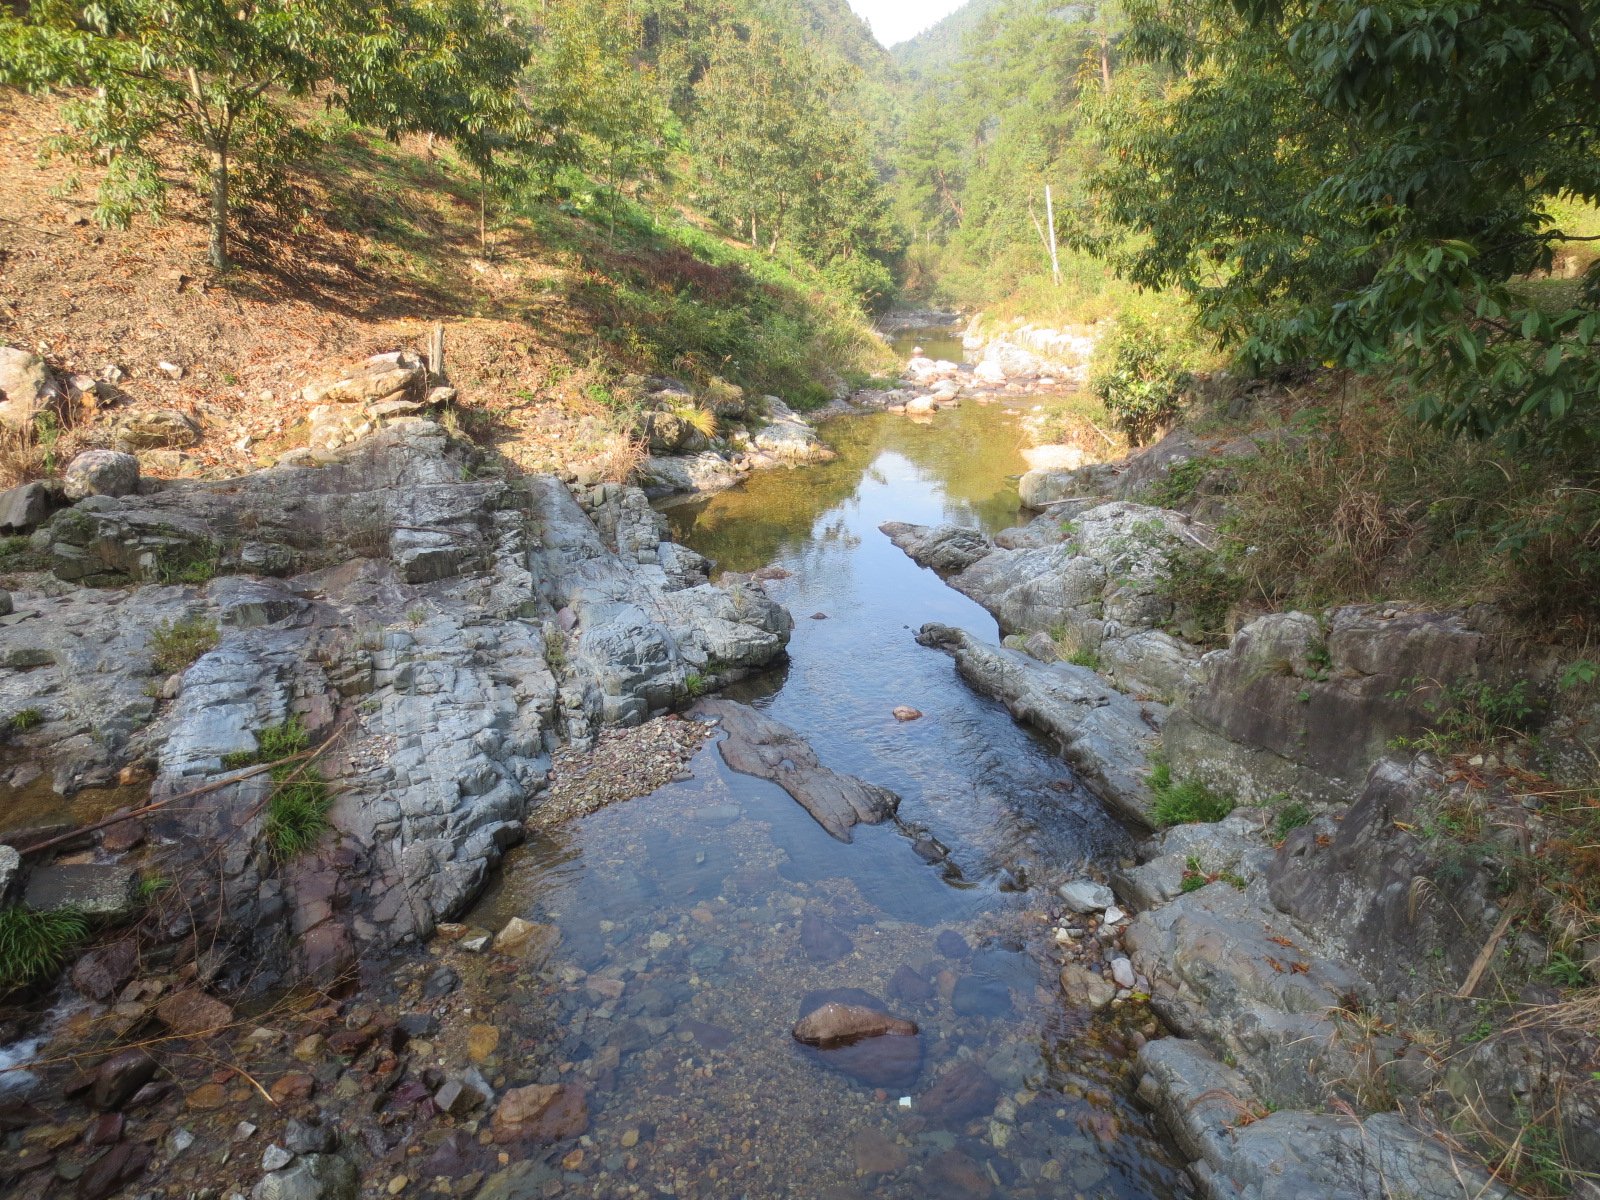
point(1140, 370)
point(297, 813)
point(694, 683)
point(1369, 186)
point(1184, 803)
point(1084, 658)
point(1178, 484)
point(220, 81)
point(152, 886)
point(34, 944)
point(1566, 971)
point(194, 565)
point(25, 719)
point(282, 741)
point(1580, 672)
point(177, 643)
point(238, 760)
point(1291, 817)
point(1470, 713)
point(1356, 502)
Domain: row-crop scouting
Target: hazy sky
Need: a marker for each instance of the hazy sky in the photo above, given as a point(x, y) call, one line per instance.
point(896, 20)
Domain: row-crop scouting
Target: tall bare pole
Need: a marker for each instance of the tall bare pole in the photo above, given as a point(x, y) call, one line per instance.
point(1050, 219)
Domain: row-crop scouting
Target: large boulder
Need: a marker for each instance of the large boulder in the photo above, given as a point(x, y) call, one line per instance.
point(101, 473)
point(21, 508)
point(26, 387)
point(791, 440)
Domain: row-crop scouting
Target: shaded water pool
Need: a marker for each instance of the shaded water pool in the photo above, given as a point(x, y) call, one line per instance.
point(698, 923)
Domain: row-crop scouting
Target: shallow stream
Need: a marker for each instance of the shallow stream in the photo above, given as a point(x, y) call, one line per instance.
point(696, 921)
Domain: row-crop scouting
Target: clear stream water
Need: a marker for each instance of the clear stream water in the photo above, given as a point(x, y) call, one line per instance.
point(694, 896)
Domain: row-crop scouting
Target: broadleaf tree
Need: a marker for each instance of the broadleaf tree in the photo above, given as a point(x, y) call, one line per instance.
point(222, 79)
point(1374, 184)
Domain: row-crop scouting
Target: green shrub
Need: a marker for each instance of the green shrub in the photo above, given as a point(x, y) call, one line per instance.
point(694, 683)
point(1140, 370)
point(176, 644)
point(1178, 484)
point(34, 944)
point(1187, 803)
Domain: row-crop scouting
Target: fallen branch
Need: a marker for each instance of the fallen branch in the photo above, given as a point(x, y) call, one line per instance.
point(1481, 963)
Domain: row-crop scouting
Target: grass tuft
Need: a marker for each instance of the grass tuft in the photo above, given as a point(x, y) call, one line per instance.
point(176, 644)
point(1186, 803)
point(34, 944)
point(25, 719)
point(297, 814)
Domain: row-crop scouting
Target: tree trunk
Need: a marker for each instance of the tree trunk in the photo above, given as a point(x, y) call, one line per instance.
point(217, 252)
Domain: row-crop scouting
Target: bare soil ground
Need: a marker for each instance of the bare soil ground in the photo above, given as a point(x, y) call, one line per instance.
point(385, 244)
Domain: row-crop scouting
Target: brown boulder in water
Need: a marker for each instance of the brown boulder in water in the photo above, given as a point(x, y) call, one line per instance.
point(841, 1024)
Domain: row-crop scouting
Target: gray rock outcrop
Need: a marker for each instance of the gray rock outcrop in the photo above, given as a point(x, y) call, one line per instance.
point(451, 630)
point(1100, 585)
point(1105, 733)
point(1237, 1150)
point(26, 387)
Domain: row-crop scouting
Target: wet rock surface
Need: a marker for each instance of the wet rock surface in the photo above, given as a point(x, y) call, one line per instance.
point(757, 745)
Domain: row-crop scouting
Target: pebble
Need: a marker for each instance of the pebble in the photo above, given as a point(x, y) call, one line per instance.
point(398, 1185)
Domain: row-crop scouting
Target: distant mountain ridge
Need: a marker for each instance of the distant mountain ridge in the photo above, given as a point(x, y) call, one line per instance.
point(939, 45)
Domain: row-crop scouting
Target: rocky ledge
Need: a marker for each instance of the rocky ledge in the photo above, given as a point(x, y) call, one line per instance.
point(444, 627)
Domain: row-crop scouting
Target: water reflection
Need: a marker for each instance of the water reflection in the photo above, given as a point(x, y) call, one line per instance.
point(701, 922)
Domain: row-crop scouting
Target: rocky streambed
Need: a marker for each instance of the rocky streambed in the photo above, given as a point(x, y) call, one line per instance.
point(843, 931)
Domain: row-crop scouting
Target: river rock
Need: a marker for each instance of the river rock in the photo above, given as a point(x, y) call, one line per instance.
point(754, 744)
point(101, 890)
point(821, 941)
point(1084, 988)
point(905, 712)
point(311, 1177)
point(875, 1154)
point(839, 1024)
point(100, 473)
point(114, 1169)
point(380, 377)
point(116, 1080)
point(791, 440)
point(541, 1113)
point(22, 508)
point(102, 972)
point(527, 939)
point(193, 1013)
point(1086, 896)
point(1103, 588)
point(909, 986)
point(981, 996)
point(952, 1175)
point(962, 1094)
